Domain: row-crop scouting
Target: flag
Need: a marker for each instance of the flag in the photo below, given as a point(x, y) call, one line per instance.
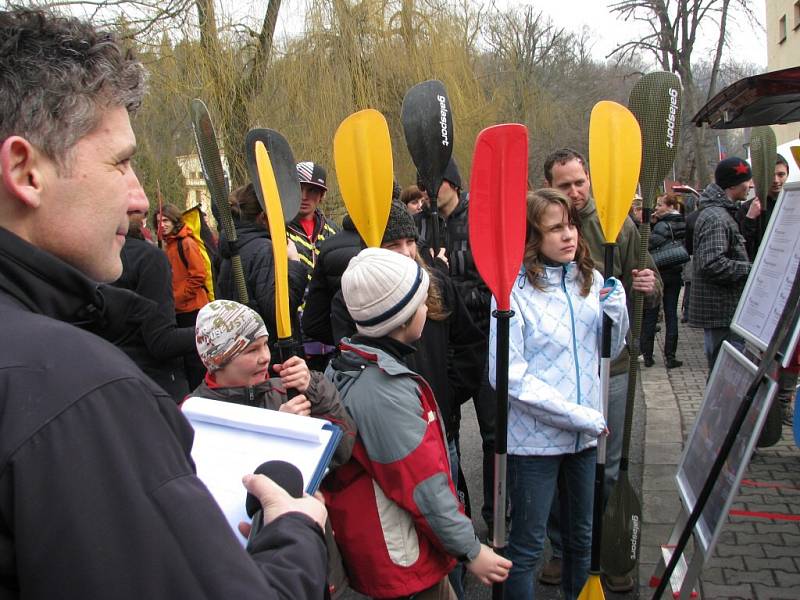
point(723, 154)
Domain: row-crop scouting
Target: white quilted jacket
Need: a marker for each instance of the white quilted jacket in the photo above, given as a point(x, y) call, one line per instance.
point(554, 357)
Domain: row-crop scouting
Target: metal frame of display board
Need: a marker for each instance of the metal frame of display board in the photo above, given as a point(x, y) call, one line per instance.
point(771, 277)
point(732, 373)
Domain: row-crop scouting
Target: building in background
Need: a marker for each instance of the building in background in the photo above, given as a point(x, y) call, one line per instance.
point(783, 50)
point(196, 190)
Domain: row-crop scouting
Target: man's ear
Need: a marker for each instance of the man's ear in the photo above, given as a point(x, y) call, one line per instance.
point(21, 173)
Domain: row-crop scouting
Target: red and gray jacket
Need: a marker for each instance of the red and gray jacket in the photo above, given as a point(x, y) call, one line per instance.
point(393, 507)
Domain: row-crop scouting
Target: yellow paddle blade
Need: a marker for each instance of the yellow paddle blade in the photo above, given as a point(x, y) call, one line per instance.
point(277, 231)
point(615, 158)
point(362, 153)
point(796, 154)
point(592, 589)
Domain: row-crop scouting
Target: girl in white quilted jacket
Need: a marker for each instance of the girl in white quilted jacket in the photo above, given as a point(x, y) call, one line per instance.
point(555, 413)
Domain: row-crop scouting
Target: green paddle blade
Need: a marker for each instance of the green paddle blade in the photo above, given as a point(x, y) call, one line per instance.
point(615, 155)
point(622, 528)
point(655, 101)
point(362, 152)
point(214, 175)
point(763, 153)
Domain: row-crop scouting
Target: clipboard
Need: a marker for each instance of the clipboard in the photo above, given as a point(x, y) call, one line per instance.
point(232, 440)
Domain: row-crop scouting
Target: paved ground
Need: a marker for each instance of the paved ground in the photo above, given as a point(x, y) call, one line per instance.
point(471, 465)
point(755, 558)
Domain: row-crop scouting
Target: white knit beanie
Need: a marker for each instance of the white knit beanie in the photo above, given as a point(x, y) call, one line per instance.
point(382, 290)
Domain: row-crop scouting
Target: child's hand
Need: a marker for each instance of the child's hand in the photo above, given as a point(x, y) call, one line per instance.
point(294, 374)
point(489, 567)
point(299, 405)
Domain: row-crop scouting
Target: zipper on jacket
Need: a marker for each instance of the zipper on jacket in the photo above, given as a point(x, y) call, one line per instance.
point(574, 347)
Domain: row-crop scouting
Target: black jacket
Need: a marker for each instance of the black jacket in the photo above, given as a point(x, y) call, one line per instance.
point(670, 226)
point(334, 256)
point(688, 239)
point(450, 354)
point(753, 230)
point(98, 495)
point(454, 237)
point(255, 250)
point(158, 344)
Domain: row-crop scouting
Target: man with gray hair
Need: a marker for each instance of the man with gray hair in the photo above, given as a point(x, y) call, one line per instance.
point(98, 495)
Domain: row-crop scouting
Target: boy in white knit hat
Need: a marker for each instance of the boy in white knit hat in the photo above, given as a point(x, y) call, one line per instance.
point(393, 507)
point(231, 340)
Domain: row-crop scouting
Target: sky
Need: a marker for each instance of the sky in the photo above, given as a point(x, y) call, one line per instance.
point(748, 40)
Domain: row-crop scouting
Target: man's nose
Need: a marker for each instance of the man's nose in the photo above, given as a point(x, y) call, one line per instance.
point(137, 199)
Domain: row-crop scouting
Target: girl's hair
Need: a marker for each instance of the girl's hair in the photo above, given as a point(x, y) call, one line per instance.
point(533, 261)
point(437, 309)
point(172, 212)
point(410, 193)
point(245, 204)
point(671, 200)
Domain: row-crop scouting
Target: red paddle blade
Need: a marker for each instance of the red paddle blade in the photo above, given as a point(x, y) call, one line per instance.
point(497, 206)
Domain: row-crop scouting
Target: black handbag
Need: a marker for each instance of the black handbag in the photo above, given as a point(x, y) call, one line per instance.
point(672, 253)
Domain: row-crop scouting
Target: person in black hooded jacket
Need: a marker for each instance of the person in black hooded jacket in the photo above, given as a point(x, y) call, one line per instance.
point(255, 249)
point(334, 256)
point(453, 224)
point(157, 345)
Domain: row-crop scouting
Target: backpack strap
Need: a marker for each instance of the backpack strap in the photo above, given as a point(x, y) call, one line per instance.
point(181, 254)
point(184, 260)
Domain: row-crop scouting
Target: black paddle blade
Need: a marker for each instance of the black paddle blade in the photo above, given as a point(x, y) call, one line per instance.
point(622, 529)
point(428, 128)
point(655, 101)
point(283, 166)
point(763, 153)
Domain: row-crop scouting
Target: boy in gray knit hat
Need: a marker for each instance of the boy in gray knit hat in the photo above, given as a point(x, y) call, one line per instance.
point(232, 343)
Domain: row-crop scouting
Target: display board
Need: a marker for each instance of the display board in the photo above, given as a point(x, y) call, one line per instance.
point(771, 276)
point(732, 375)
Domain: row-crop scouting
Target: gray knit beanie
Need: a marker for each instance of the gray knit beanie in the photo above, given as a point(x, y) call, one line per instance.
point(400, 224)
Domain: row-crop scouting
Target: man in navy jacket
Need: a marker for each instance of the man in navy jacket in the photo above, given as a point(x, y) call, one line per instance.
point(98, 494)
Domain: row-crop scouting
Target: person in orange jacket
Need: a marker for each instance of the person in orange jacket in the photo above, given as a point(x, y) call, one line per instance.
point(188, 278)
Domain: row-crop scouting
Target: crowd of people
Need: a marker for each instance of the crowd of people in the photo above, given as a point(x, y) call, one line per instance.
point(108, 326)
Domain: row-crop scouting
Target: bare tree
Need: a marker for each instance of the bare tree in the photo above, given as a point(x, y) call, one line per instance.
point(233, 73)
point(673, 28)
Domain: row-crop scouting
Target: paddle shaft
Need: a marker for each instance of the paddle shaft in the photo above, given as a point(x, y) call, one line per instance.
point(285, 348)
point(434, 208)
point(787, 320)
point(501, 439)
point(600, 467)
point(636, 331)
